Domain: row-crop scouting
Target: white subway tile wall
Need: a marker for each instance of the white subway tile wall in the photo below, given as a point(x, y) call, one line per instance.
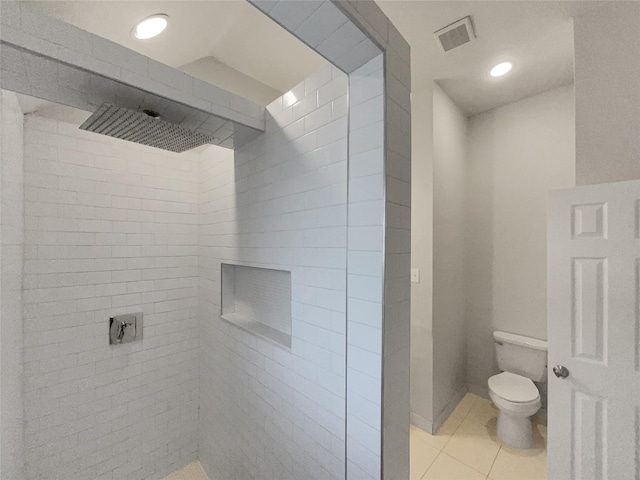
point(397, 285)
point(110, 227)
point(379, 260)
point(324, 27)
point(394, 137)
point(387, 227)
point(397, 232)
point(266, 411)
point(366, 270)
point(11, 255)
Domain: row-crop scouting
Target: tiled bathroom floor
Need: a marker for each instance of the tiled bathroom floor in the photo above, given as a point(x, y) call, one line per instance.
point(193, 471)
point(467, 448)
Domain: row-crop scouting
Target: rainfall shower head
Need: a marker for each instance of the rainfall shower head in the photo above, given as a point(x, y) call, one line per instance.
point(144, 127)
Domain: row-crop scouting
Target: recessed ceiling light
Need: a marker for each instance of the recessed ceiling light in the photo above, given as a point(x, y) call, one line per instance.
point(501, 69)
point(150, 26)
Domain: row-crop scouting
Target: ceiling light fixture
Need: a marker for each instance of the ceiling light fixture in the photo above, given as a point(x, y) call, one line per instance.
point(150, 26)
point(501, 69)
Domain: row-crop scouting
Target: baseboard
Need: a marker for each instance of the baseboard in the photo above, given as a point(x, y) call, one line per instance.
point(422, 423)
point(453, 403)
point(481, 390)
point(433, 426)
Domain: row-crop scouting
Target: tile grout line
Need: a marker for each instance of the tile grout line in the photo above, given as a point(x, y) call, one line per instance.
point(494, 460)
point(441, 450)
point(431, 464)
point(464, 417)
point(456, 430)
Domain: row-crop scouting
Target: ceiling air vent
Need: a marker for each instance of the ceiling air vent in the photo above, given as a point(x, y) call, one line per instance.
point(456, 34)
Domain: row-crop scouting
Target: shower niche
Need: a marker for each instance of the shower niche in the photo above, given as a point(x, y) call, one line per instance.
point(258, 300)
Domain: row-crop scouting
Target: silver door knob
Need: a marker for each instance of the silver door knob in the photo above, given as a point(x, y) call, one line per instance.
point(560, 371)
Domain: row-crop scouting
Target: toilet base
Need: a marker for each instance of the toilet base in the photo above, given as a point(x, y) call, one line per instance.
point(515, 431)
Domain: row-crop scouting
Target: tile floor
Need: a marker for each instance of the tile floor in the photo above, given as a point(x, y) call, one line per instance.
point(467, 448)
point(193, 471)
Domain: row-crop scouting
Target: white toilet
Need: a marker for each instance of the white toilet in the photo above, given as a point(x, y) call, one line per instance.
point(522, 360)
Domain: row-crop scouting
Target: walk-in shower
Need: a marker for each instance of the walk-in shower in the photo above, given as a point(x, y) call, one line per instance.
point(243, 303)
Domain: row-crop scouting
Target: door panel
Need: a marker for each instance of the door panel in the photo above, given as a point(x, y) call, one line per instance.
point(594, 331)
point(590, 308)
point(589, 453)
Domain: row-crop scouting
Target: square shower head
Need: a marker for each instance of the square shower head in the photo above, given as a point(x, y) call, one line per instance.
point(143, 127)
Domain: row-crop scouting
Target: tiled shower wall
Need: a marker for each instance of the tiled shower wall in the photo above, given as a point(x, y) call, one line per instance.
point(11, 255)
point(266, 411)
point(366, 270)
point(110, 227)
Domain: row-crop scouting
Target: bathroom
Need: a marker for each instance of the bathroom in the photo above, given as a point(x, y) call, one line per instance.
point(293, 217)
point(479, 262)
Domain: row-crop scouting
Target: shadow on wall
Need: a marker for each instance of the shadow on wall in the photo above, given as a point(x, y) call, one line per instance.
point(480, 255)
point(280, 203)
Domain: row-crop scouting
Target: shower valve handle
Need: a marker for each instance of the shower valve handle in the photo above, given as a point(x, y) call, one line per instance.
point(121, 328)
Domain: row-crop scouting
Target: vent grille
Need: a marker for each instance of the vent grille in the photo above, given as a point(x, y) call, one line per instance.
point(456, 34)
point(143, 128)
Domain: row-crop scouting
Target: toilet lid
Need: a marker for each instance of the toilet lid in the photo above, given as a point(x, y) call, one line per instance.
point(513, 388)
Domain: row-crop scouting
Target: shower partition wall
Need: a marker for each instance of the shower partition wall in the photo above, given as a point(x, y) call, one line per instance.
point(11, 265)
point(268, 411)
point(352, 35)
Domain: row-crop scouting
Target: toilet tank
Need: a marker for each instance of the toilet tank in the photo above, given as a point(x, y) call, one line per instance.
point(521, 355)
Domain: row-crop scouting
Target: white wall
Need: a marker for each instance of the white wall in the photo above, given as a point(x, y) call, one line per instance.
point(422, 255)
point(110, 227)
point(11, 256)
point(449, 218)
point(267, 411)
point(516, 154)
point(607, 73)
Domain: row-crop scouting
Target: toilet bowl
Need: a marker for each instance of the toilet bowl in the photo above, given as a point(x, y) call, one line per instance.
point(522, 360)
point(517, 399)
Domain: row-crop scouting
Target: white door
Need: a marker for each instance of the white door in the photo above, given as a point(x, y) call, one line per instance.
point(594, 332)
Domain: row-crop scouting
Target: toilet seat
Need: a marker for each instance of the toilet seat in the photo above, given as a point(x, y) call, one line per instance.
point(514, 388)
point(517, 398)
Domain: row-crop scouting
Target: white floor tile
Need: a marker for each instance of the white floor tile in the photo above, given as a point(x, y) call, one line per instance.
point(193, 471)
point(470, 448)
point(475, 445)
point(422, 456)
point(440, 439)
point(448, 468)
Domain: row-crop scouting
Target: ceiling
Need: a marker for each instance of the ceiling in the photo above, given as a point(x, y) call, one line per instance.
point(228, 43)
point(537, 36)
point(232, 44)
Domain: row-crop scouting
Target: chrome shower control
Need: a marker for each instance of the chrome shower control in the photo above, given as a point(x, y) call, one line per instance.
point(125, 328)
point(121, 328)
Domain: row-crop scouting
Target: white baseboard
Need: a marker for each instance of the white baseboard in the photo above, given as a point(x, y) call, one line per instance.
point(453, 403)
point(433, 426)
